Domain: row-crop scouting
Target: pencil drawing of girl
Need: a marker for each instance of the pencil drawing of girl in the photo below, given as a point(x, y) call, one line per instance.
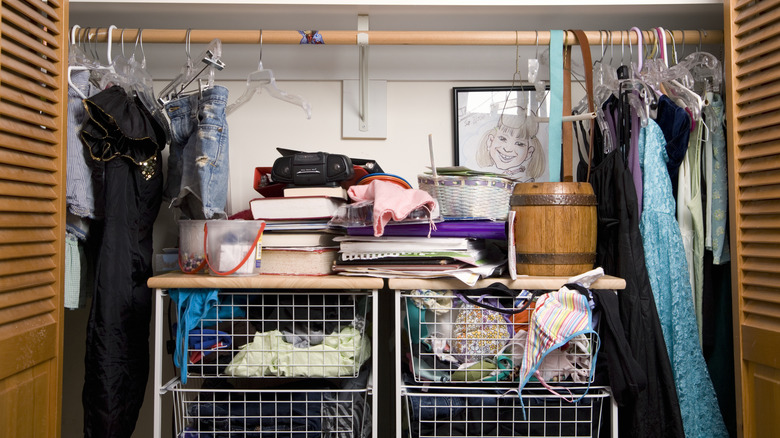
point(513, 149)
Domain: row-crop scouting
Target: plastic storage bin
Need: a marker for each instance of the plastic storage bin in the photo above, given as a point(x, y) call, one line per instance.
point(233, 247)
point(192, 257)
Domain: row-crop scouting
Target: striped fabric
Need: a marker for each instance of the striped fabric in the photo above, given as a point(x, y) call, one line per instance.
point(558, 317)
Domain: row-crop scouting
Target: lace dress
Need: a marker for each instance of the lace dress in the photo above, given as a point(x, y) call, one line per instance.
point(667, 268)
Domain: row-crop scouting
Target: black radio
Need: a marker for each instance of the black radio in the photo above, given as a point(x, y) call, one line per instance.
point(312, 169)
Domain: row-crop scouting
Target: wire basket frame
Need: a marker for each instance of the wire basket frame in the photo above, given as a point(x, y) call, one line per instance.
point(452, 341)
point(270, 412)
point(481, 412)
point(287, 334)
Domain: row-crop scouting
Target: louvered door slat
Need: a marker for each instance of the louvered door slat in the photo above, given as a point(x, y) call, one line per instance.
point(27, 220)
point(16, 158)
point(9, 47)
point(752, 11)
point(764, 221)
point(14, 188)
point(11, 80)
point(30, 102)
point(758, 50)
point(28, 116)
point(762, 121)
point(18, 44)
point(15, 18)
point(767, 150)
point(40, 15)
point(23, 174)
point(762, 164)
point(765, 180)
point(28, 71)
point(758, 136)
point(757, 81)
point(16, 298)
point(30, 264)
point(757, 66)
point(22, 204)
point(758, 93)
point(26, 235)
point(29, 131)
point(762, 294)
point(759, 21)
point(27, 145)
point(26, 250)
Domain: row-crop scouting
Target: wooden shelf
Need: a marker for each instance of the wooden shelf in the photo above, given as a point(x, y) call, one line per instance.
point(182, 280)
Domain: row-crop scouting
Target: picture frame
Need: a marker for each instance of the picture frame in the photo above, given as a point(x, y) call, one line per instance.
point(496, 130)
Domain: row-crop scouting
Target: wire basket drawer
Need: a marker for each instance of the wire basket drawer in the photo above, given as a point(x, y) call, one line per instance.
point(482, 412)
point(271, 413)
point(288, 334)
point(450, 340)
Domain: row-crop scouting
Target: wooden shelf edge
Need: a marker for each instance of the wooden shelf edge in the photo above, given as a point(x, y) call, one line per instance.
point(528, 282)
point(189, 281)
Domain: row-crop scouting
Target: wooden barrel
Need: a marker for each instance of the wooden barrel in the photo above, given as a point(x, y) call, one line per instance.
point(555, 228)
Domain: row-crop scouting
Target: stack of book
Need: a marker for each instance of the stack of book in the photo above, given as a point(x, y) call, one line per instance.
point(297, 240)
point(459, 249)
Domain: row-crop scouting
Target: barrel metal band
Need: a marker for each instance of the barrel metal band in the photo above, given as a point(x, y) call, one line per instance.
point(556, 259)
point(551, 199)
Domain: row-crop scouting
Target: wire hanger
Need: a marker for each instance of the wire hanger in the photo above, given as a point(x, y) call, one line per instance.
point(264, 79)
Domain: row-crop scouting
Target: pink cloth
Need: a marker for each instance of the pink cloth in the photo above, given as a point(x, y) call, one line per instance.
point(391, 201)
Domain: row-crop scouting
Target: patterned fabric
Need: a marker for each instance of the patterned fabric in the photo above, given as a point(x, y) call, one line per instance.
point(666, 265)
point(479, 333)
point(558, 317)
point(720, 187)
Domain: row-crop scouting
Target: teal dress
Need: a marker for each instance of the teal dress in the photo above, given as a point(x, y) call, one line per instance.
point(669, 280)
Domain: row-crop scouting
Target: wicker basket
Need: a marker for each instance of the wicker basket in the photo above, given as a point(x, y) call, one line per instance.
point(473, 197)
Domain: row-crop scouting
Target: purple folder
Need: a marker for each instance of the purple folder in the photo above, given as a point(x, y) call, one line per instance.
point(474, 229)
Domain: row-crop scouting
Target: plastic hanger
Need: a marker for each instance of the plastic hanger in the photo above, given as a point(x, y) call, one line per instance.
point(210, 60)
point(264, 79)
point(80, 60)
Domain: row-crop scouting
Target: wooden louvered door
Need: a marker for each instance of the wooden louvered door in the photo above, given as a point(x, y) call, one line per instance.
point(33, 38)
point(753, 72)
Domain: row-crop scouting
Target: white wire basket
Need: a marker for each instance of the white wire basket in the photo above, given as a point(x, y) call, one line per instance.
point(281, 334)
point(451, 341)
point(474, 197)
point(270, 412)
point(481, 412)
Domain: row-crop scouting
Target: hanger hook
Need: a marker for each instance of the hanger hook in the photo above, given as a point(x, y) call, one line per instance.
point(122, 41)
point(139, 41)
point(110, 42)
point(260, 61)
point(622, 49)
point(674, 44)
point(700, 37)
point(187, 46)
point(537, 44)
point(73, 32)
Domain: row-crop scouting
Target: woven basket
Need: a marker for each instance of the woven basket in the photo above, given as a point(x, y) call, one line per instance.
point(473, 197)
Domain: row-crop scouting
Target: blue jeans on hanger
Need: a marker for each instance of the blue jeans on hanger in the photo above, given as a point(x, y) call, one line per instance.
point(198, 162)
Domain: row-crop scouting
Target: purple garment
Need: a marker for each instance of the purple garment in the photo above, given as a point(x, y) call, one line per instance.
point(633, 162)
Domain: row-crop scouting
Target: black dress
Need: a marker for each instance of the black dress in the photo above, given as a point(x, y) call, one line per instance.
point(654, 411)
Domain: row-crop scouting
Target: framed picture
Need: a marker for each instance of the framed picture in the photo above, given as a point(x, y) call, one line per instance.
point(496, 130)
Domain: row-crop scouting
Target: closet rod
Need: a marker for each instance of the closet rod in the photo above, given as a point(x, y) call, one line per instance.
point(383, 37)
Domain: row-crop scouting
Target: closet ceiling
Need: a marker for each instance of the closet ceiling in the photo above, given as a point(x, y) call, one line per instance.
point(333, 62)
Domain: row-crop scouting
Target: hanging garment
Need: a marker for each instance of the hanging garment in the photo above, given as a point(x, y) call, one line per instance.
point(675, 123)
point(666, 267)
point(720, 188)
point(122, 133)
point(198, 164)
point(79, 192)
point(655, 411)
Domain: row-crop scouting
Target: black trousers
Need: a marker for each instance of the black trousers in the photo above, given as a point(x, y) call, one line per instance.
point(117, 351)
